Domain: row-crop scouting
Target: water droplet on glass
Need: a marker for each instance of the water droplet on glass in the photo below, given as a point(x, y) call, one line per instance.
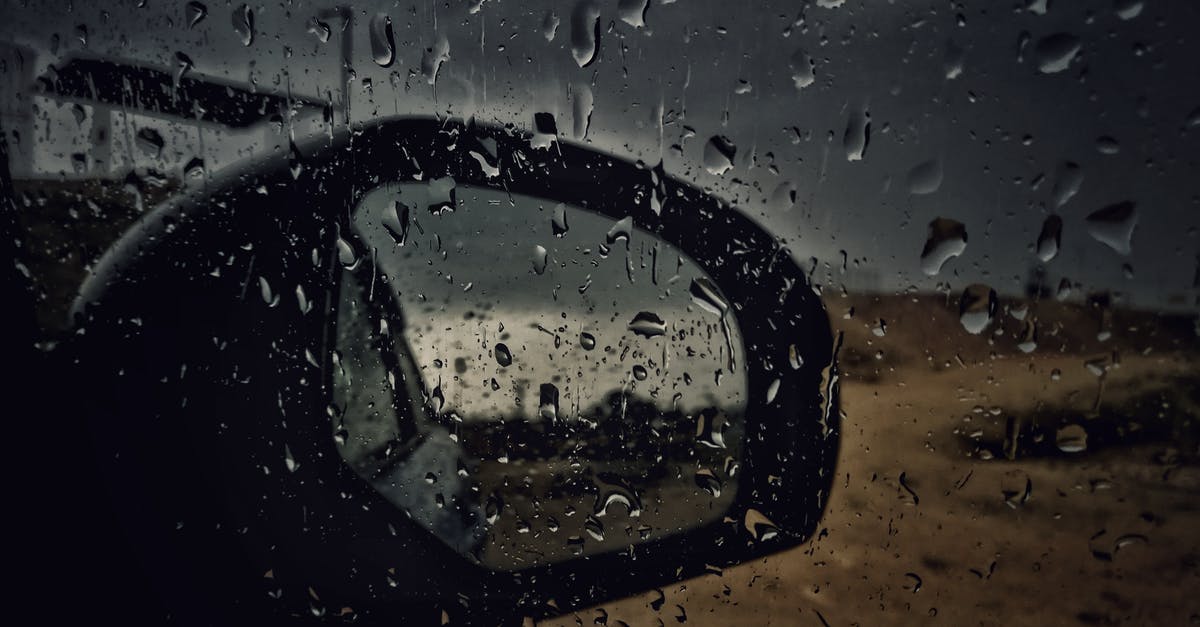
point(759, 526)
point(396, 220)
point(639, 372)
point(196, 12)
point(383, 47)
point(194, 168)
point(784, 196)
point(803, 69)
point(795, 360)
point(1107, 145)
point(550, 22)
point(558, 220)
point(1127, 9)
point(548, 401)
point(707, 481)
point(708, 296)
point(431, 61)
point(710, 428)
point(319, 29)
point(857, 135)
point(150, 141)
point(1067, 180)
point(594, 528)
point(947, 239)
point(540, 259)
point(633, 12)
point(243, 24)
point(621, 230)
point(503, 355)
point(1071, 439)
point(926, 177)
point(977, 307)
point(772, 391)
point(581, 110)
point(346, 254)
point(587, 341)
point(1050, 239)
point(719, 153)
point(1113, 226)
point(1054, 53)
point(183, 65)
point(585, 32)
point(647, 324)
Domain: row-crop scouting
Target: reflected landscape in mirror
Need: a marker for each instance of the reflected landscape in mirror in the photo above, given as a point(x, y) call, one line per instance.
point(531, 381)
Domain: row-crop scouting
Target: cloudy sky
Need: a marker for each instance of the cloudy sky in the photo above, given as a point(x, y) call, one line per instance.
point(971, 90)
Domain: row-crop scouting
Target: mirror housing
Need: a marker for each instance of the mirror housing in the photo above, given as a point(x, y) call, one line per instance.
point(207, 384)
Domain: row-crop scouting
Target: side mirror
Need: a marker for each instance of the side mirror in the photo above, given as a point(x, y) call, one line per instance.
point(546, 376)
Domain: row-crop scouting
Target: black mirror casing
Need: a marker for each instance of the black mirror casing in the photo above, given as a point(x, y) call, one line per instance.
point(207, 390)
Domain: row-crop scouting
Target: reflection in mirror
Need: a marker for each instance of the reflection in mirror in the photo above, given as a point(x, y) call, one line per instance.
point(565, 385)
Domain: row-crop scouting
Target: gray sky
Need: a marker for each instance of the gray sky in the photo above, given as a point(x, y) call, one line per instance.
point(937, 85)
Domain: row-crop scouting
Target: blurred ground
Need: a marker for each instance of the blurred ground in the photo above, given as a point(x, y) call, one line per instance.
point(1109, 535)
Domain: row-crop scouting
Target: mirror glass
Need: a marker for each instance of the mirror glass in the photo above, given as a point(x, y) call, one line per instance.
point(531, 381)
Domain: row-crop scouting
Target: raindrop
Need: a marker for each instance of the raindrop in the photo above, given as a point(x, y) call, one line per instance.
point(639, 372)
point(795, 360)
point(243, 24)
point(558, 220)
point(857, 135)
point(587, 341)
point(268, 296)
point(183, 65)
point(759, 526)
point(550, 24)
point(346, 255)
point(647, 324)
point(1027, 343)
point(1107, 145)
point(954, 61)
point(548, 401)
point(540, 259)
point(926, 177)
point(396, 222)
point(1049, 242)
point(319, 29)
point(977, 307)
point(1113, 226)
point(194, 168)
point(621, 230)
point(710, 428)
point(707, 481)
point(1071, 439)
point(772, 391)
point(581, 108)
point(594, 528)
point(196, 12)
point(947, 239)
point(150, 141)
point(431, 61)
point(1054, 53)
point(803, 69)
point(383, 46)
point(585, 32)
point(784, 196)
point(708, 296)
point(1067, 180)
point(503, 355)
point(1127, 9)
point(633, 12)
point(719, 153)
